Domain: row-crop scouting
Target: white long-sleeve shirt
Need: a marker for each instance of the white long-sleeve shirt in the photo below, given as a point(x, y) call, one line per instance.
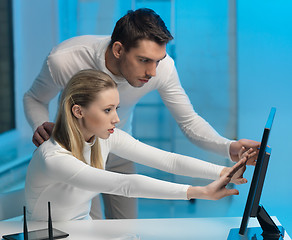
point(87, 52)
point(55, 175)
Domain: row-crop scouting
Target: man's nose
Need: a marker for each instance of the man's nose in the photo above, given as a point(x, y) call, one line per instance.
point(151, 70)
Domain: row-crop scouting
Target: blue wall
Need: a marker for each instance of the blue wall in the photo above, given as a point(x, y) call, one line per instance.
point(35, 33)
point(265, 70)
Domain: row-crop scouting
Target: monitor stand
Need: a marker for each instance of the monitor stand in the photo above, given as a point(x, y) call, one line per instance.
point(268, 230)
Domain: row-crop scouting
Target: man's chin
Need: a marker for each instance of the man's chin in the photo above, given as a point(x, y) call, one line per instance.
point(137, 84)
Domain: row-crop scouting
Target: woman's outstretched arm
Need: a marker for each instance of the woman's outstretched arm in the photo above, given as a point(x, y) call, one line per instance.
point(66, 168)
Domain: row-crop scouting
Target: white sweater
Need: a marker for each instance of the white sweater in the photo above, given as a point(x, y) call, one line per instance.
point(55, 175)
point(86, 52)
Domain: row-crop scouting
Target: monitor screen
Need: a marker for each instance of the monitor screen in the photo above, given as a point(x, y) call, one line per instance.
point(268, 229)
point(256, 186)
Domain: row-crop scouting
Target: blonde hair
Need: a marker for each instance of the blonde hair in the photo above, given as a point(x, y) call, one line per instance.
point(82, 89)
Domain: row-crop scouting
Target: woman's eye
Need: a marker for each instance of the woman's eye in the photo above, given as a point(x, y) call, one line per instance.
point(107, 110)
point(117, 107)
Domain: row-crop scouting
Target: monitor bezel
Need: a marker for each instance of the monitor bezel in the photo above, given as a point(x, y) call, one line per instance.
point(254, 195)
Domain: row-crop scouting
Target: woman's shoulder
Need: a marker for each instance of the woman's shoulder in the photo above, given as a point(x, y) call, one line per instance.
point(51, 148)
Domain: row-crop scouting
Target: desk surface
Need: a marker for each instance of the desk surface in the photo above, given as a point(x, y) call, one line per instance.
point(177, 228)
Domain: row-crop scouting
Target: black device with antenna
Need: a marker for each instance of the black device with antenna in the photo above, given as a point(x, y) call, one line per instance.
point(42, 234)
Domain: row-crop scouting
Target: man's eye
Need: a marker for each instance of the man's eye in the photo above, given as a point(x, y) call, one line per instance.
point(144, 60)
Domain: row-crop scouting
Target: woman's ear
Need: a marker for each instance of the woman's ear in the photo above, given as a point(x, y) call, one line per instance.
point(77, 111)
point(117, 49)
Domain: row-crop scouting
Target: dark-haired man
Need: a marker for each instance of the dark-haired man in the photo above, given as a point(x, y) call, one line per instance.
point(135, 57)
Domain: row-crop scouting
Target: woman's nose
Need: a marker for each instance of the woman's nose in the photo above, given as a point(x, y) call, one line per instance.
point(116, 118)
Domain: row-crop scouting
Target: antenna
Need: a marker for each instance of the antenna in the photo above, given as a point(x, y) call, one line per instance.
point(25, 233)
point(50, 227)
point(47, 233)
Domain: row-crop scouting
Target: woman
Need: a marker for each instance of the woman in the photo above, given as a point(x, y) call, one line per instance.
point(68, 170)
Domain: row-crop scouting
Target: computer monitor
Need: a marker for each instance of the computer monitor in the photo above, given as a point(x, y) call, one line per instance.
point(268, 229)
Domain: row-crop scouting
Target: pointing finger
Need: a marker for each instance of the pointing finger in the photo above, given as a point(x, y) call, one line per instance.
point(236, 167)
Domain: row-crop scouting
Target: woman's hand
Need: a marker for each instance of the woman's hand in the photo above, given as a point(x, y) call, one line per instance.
point(238, 176)
point(217, 189)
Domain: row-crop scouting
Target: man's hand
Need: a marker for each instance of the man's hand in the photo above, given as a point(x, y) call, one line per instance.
point(235, 148)
point(42, 133)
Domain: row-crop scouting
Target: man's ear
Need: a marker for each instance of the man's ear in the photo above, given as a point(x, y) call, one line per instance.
point(77, 111)
point(118, 49)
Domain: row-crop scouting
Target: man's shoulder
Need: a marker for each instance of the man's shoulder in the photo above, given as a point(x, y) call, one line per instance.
point(79, 44)
point(165, 66)
point(75, 54)
point(168, 61)
point(164, 71)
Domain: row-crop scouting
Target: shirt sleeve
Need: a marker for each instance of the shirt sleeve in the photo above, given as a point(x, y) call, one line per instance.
point(192, 125)
point(66, 168)
point(36, 99)
point(56, 71)
point(125, 146)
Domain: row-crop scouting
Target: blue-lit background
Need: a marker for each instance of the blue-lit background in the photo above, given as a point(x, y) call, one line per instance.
point(232, 86)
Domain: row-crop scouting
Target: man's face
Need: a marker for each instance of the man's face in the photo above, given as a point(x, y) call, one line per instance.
point(139, 64)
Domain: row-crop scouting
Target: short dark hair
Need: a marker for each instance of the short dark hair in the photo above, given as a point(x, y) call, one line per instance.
point(143, 23)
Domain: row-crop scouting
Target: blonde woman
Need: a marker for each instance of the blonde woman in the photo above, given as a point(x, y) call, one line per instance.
point(68, 169)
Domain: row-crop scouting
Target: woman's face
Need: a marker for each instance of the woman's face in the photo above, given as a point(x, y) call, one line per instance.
point(100, 117)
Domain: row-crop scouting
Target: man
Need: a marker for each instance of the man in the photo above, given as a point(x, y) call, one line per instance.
point(135, 57)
